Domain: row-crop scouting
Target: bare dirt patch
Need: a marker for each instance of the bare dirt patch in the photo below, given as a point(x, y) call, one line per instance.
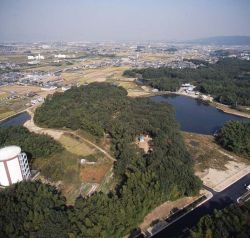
point(94, 173)
point(146, 144)
point(32, 127)
point(220, 179)
point(216, 167)
point(137, 93)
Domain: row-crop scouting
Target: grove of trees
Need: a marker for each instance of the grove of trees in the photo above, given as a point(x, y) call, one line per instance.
point(228, 80)
point(33, 209)
point(233, 221)
point(33, 144)
point(235, 136)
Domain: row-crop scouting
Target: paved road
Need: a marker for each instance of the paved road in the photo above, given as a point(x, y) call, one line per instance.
point(218, 201)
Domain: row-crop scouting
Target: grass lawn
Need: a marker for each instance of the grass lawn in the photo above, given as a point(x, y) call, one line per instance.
point(63, 167)
point(76, 146)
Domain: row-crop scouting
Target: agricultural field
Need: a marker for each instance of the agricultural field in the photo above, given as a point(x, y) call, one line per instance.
point(12, 106)
point(5, 112)
point(19, 89)
point(17, 58)
point(3, 95)
point(94, 75)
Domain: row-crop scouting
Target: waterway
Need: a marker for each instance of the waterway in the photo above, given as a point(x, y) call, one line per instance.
point(196, 116)
point(18, 119)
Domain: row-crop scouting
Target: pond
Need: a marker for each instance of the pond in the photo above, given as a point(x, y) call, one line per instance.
point(196, 116)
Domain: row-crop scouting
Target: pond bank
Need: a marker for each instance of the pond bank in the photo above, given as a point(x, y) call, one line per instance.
point(220, 106)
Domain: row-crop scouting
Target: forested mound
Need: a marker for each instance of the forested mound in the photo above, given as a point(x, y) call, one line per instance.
point(33, 144)
point(228, 80)
point(33, 209)
point(235, 136)
point(232, 221)
point(144, 180)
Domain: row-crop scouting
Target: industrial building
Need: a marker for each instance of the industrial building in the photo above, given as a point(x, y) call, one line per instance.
point(14, 165)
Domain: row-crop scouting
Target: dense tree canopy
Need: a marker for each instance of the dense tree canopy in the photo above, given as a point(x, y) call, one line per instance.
point(232, 221)
point(33, 209)
point(228, 80)
point(145, 180)
point(32, 143)
point(235, 136)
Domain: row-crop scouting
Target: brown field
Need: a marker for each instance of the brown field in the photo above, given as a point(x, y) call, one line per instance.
point(94, 173)
point(20, 89)
point(3, 95)
point(93, 75)
point(45, 68)
point(205, 152)
point(14, 58)
point(216, 167)
point(128, 85)
point(138, 93)
point(5, 112)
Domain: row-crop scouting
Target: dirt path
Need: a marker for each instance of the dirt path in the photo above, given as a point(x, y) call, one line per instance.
point(56, 134)
point(94, 145)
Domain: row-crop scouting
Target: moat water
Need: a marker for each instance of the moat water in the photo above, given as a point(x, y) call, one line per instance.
point(18, 119)
point(196, 116)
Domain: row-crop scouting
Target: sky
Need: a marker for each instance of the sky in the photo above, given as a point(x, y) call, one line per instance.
point(121, 20)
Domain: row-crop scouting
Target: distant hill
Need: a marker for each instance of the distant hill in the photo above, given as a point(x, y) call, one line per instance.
point(223, 40)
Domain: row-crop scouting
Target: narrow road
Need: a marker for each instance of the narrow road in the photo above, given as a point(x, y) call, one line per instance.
point(220, 200)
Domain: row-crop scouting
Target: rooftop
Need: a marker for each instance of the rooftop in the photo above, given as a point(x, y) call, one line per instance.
point(9, 152)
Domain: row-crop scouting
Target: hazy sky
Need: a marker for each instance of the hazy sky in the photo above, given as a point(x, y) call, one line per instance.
point(99, 20)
